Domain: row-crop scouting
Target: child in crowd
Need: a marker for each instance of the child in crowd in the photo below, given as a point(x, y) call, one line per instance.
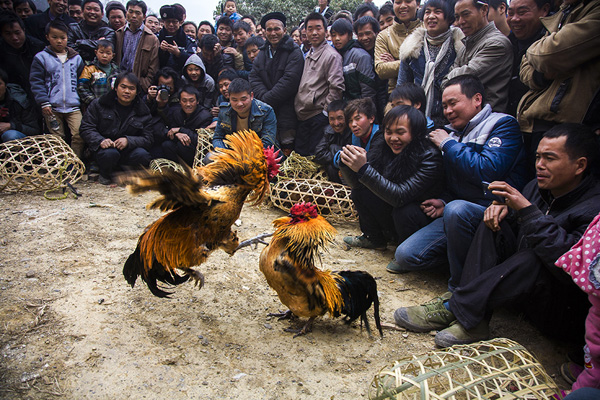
point(97, 79)
point(230, 11)
point(582, 262)
point(253, 46)
point(392, 179)
point(241, 33)
point(194, 73)
point(53, 76)
point(336, 136)
point(360, 116)
point(225, 78)
point(410, 94)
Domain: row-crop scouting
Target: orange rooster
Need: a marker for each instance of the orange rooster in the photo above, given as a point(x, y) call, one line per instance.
point(288, 263)
point(202, 209)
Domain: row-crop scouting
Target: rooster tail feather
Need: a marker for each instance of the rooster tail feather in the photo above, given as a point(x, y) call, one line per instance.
point(359, 291)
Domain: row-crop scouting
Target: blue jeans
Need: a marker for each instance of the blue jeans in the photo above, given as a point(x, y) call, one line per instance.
point(445, 240)
point(585, 393)
point(11, 134)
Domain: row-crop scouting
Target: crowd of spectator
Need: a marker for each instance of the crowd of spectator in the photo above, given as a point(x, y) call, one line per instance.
point(438, 115)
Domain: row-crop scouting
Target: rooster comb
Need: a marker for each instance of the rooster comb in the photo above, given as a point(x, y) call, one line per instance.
point(272, 157)
point(304, 211)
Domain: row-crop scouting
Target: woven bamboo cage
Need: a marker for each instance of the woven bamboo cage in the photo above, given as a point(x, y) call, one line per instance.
point(204, 146)
point(332, 199)
point(161, 164)
point(42, 162)
point(494, 369)
point(300, 167)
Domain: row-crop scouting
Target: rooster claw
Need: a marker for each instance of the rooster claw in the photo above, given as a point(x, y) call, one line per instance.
point(254, 241)
point(197, 276)
point(281, 316)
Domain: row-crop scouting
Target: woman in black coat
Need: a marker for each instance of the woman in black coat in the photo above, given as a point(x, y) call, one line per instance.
point(390, 182)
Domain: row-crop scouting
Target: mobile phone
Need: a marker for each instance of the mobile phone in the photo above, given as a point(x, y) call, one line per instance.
point(488, 193)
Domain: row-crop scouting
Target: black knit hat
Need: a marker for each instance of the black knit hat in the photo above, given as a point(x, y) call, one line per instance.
point(169, 12)
point(272, 15)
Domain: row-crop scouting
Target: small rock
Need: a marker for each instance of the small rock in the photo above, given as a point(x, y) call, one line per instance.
point(30, 274)
point(100, 301)
point(204, 342)
point(405, 335)
point(238, 222)
point(205, 383)
point(29, 376)
point(239, 376)
point(268, 326)
point(3, 242)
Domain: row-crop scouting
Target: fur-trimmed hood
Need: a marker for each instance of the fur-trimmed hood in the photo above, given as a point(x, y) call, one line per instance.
point(412, 46)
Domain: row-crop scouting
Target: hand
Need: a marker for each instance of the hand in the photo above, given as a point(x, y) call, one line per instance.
point(214, 111)
point(183, 138)
point(171, 133)
point(230, 50)
point(217, 48)
point(161, 103)
point(433, 208)
point(387, 57)
point(121, 143)
point(514, 198)
point(212, 125)
point(107, 143)
point(354, 157)
point(47, 111)
point(171, 48)
point(493, 215)
point(437, 136)
point(4, 126)
point(152, 92)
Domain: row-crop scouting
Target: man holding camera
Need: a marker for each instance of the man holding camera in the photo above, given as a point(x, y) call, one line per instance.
point(478, 145)
point(175, 46)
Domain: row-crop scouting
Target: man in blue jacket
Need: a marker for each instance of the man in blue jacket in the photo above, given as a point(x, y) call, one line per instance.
point(244, 112)
point(478, 146)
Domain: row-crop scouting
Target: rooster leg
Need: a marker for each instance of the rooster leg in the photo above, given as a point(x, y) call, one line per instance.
point(281, 316)
point(305, 329)
point(230, 244)
point(197, 276)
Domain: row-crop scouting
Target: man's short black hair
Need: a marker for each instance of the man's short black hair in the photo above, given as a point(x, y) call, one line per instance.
point(212, 28)
point(105, 43)
point(256, 40)
point(239, 85)
point(496, 3)
point(75, 3)
point(224, 21)
point(137, 3)
point(57, 24)
point(447, 7)
point(315, 16)
point(342, 27)
point(3, 76)
point(581, 142)
point(190, 89)
point(411, 92)
point(93, 1)
point(470, 85)
point(387, 8)
point(336, 105)
point(209, 41)
point(366, 20)
point(250, 17)
point(228, 74)
point(363, 8)
point(31, 4)
point(363, 106)
point(9, 18)
point(131, 77)
point(480, 3)
point(242, 25)
point(114, 5)
point(167, 72)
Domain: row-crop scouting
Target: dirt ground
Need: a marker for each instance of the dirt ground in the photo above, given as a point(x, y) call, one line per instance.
point(71, 327)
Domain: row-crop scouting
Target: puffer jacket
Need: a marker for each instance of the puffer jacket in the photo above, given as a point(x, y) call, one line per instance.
point(205, 85)
point(489, 148)
point(83, 38)
point(570, 55)
point(414, 175)
point(276, 80)
point(101, 121)
point(359, 76)
point(22, 115)
point(54, 83)
point(389, 41)
point(261, 120)
point(186, 45)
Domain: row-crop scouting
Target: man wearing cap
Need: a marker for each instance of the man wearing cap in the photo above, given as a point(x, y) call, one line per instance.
point(84, 35)
point(175, 45)
point(276, 74)
point(487, 53)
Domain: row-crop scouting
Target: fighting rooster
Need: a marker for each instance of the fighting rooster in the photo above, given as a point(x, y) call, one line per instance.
point(288, 263)
point(202, 207)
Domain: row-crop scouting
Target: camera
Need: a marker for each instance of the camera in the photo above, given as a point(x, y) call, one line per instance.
point(163, 92)
point(488, 193)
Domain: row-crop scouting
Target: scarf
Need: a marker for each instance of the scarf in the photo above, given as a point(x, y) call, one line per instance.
point(444, 41)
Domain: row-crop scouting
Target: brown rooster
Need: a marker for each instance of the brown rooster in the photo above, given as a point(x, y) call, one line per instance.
point(288, 263)
point(202, 209)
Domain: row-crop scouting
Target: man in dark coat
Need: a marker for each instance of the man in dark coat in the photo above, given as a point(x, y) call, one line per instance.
point(275, 76)
point(36, 24)
point(214, 60)
point(84, 35)
point(175, 46)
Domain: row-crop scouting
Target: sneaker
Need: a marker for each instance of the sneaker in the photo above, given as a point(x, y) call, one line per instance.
point(570, 371)
point(457, 334)
point(426, 317)
point(394, 268)
point(364, 242)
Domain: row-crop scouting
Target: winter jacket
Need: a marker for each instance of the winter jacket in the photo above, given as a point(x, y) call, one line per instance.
point(22, 115)
point(94, 82)
point(518, 89)
point(261, 120)
point(487, 55)
point(489, 148)
point(205, 84)
point(331, 145)
point(219, 63)
point(570, 55)
point(17, 62)
point(322, 81)
point(375, 137)
point(412, 66)
point(414, 175)
point(276, 80)
point(146, 63)
point(389, 41)
point(54, 83)
point(186, 45)
point(101, 121)
point(359, 76)
point(200, 118)
point(83, 38)
point(35, 25)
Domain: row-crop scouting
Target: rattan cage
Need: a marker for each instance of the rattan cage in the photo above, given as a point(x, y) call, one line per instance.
point(494, 369)
point(204, 146)
point(161, 164)
point(42, 162)
point(300, 167)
